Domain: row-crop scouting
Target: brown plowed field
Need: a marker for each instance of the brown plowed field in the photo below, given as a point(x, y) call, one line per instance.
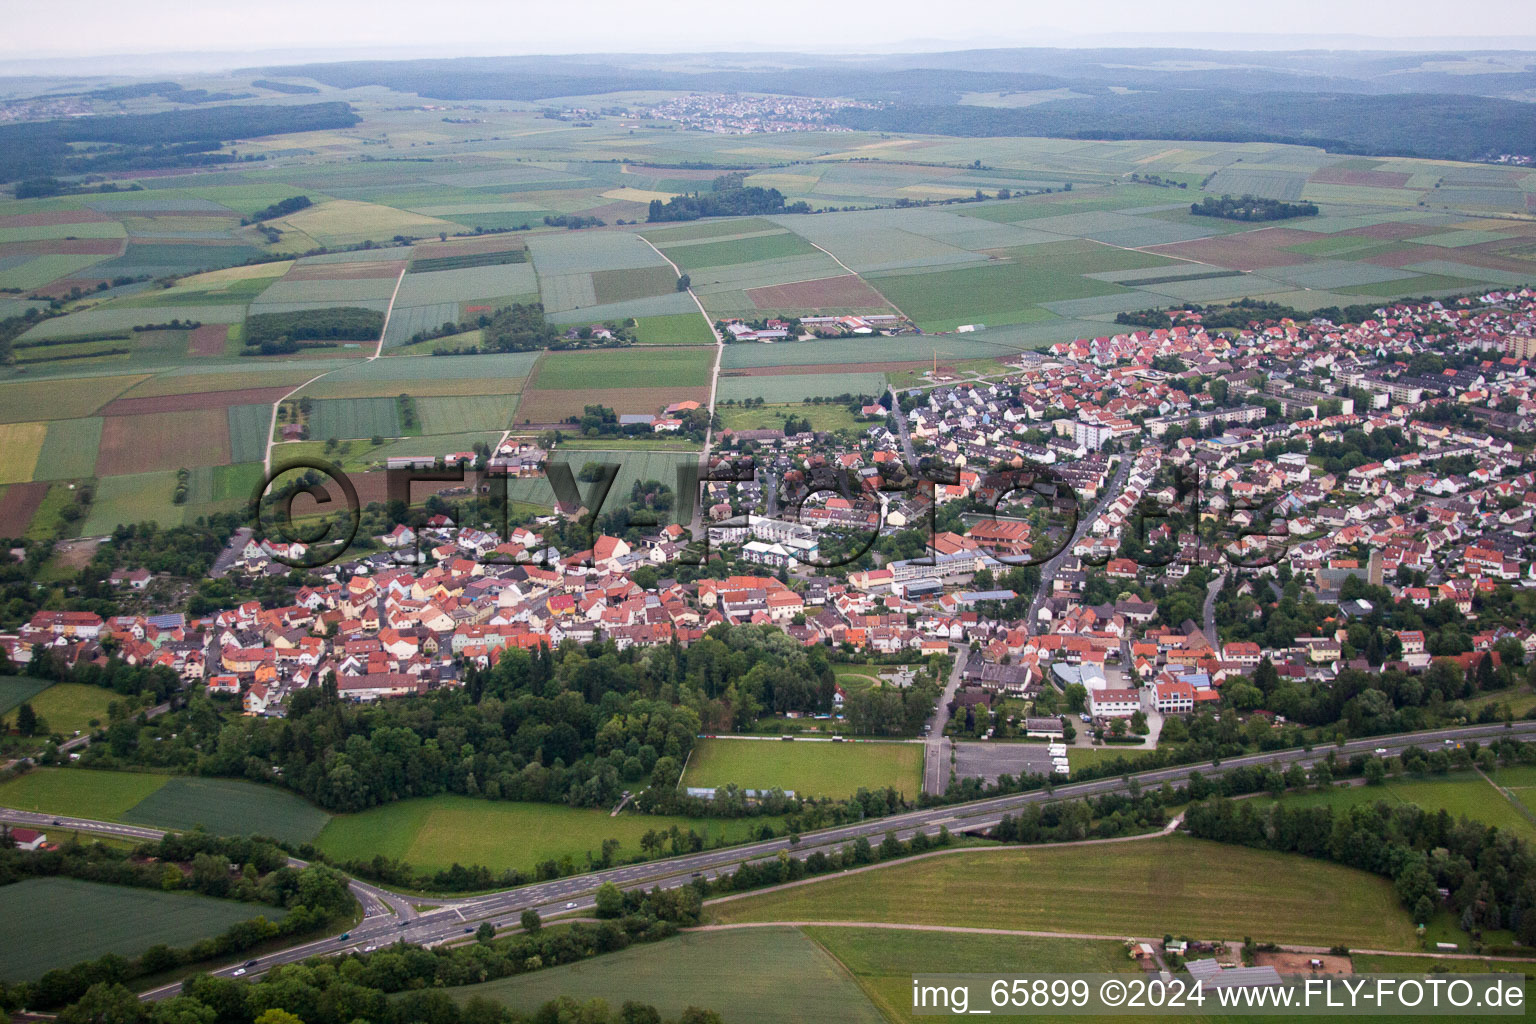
point(846, 291)
point(1246, 250)
point(70, 246)
point(208, 340)
point(193, 402)
point(560, 406)
point(18, 505)
point(51, 217)
point(1377, 179)
point(164, 440)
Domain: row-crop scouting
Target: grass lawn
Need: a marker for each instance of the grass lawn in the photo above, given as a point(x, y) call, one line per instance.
point(1461, 794)
point(70, 706)
point(808, 769)
point(437, 832)
point(86, 794)
point(883, 961)
point(1171, 884)
point(753, 975)
point(230, 807)
point(673, 329)
point(55, 922)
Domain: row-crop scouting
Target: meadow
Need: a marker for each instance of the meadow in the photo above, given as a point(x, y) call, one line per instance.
point(808, 769)
point(440, 831)
point(1199, 888)
point(67, 707)
point(773, 417)
point(1459, 794)
point(55, 922)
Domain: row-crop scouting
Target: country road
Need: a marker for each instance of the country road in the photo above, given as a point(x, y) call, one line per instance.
point(431, 920)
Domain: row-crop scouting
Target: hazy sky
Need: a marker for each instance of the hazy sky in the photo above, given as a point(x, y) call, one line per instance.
point(441, 27)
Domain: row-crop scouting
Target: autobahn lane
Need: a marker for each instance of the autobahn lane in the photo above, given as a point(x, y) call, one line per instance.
point(432, 920)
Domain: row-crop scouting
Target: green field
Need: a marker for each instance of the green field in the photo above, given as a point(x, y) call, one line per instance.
point(16, 690)
point(703, 255)
point(228, 806)
point(1167, 884)
point(785, 388)
point(773, 417)
point(104, 796)
point(676, 329)
point(67, 707)
point(55, 922)
point(625, 367)
point(437, 832)
point(763, 975)
point(809, 769)
point(336, 418)
point(1082, 757)
point(137, 498)
point(883, 961)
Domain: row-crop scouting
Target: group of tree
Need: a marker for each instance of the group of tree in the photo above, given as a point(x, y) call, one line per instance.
point(275, 333)
point(1249, 207)
point(729, 196)
point(281, 208)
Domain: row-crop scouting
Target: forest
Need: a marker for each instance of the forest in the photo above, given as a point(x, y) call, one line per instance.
point(35, 149)
point(1251, 208)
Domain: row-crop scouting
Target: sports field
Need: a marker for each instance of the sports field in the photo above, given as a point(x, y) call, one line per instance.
point(227, 806)
point(437, 832)
point(765, 975)
point(1196, 888)
point(806, 768)
point(55, 922)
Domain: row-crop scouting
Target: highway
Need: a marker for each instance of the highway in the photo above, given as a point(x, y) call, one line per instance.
point(433, 920)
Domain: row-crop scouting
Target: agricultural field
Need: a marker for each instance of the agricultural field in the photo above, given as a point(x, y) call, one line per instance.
point(688, 971)
point(807, 768)
point(1271, 896)
point(437, 832)
point(793, 387)
point(141, 497)
point(617, 368)
point(634, 465)
point(228, 806)
point(40, 922)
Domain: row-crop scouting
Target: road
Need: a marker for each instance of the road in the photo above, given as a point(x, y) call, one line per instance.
point(1048, 570)
point(84, 739)
point(935, 764)
point(1208, 610)
point(901, 430)
point(433, 920)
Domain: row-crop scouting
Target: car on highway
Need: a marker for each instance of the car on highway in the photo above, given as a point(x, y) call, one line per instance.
point(369, 949)
point(56, 821)
point(1381, 751)
point(571, 905)
point(250, 963)
point(343, 937)
point(469, 928)
point(239, 972)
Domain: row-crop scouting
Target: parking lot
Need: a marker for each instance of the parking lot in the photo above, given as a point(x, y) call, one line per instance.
point(987, 760)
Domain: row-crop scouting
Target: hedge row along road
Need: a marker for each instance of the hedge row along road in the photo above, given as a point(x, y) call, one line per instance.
point(388, 916)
